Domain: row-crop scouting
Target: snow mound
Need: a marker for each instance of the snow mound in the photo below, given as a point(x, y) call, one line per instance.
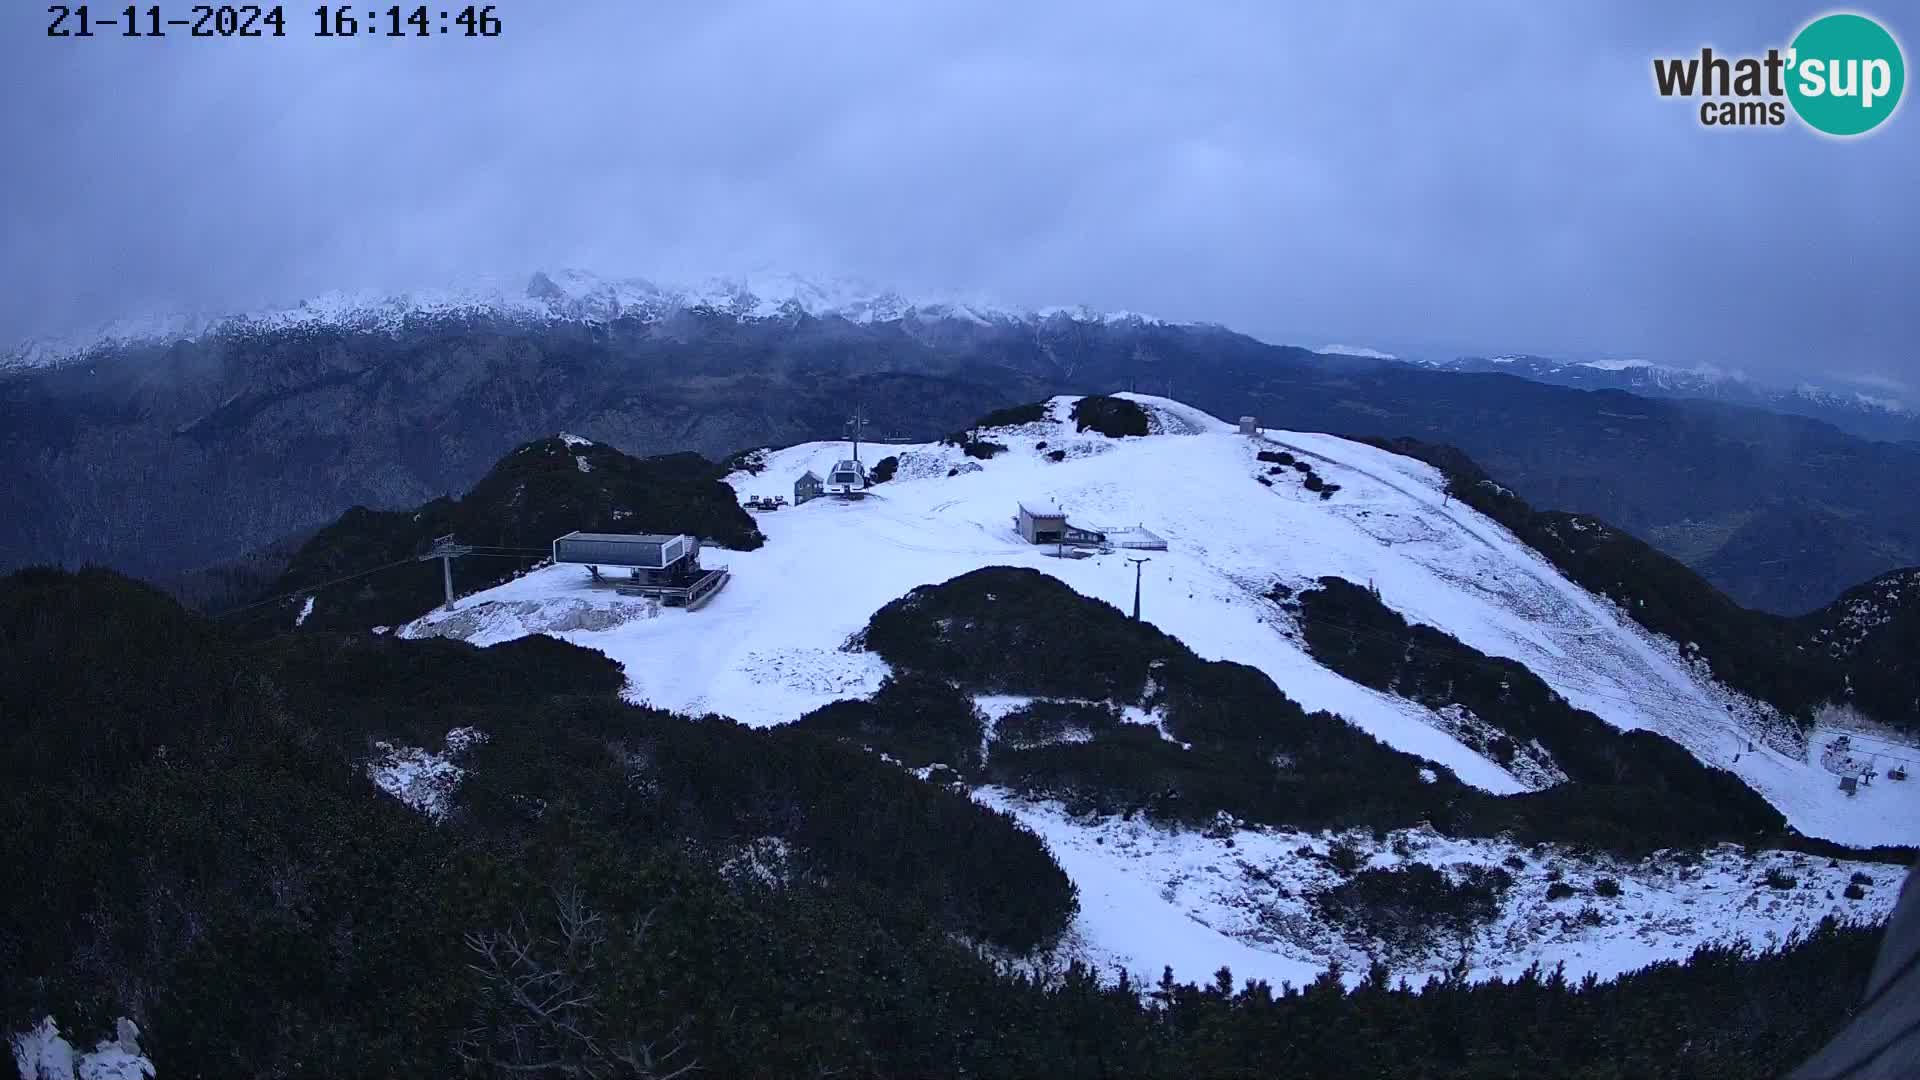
point(488, 622)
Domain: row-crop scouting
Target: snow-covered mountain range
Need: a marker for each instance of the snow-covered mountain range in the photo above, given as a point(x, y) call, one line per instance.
point(575, 296)
point(780, 641)
point(1875, 409)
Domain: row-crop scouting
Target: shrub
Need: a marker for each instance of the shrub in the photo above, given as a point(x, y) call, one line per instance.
point(1344, 857)
point(1606, 887)
point(1056, 455)
point(983, 449)
point(1030, 413)
point(1779, 879)
point(1280, 457)
point(1855, 892)
point(1041, 445)
point(1860, 878)
point(1514, 862)
point(1559, 890)
point(1113, 417)
point(1041, 722)
point(1264, 481)
point(918, 720)
point(884, 469)
point(1590, 916)
point(1403, 906)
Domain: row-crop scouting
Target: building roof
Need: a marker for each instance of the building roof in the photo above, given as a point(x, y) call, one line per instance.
point(625, 538)
point(808, 473)
point(1031, 512)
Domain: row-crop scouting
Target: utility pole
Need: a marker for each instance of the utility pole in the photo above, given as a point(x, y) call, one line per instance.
point(1136, 584)
point(446, 550)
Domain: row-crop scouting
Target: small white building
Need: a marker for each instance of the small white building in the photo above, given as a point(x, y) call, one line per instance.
point(1249, 425)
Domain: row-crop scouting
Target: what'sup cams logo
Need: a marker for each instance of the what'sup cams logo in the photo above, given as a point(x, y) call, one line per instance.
point(1842, 76)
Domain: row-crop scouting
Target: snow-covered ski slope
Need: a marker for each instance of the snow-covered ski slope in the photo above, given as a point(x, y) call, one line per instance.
point(767, 648)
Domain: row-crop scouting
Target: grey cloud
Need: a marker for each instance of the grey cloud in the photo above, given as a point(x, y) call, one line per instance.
point(1499, 176)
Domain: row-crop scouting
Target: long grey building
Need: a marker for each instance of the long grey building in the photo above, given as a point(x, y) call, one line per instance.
point(645, 551)
point(657, 565)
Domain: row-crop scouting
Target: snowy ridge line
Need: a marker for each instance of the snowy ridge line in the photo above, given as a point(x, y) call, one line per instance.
point(575, 296)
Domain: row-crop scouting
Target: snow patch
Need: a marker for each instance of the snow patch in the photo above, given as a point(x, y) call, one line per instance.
point(306, 609)
point(422, 779)
point(1355, 350)
point(1154, 897)
point(42, 1053)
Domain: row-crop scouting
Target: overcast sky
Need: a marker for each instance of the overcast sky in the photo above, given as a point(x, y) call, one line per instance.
point(1487, 177)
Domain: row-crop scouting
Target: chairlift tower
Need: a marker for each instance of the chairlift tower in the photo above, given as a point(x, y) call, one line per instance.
point(446, 550)
point(1136, 583)
point(856, 424)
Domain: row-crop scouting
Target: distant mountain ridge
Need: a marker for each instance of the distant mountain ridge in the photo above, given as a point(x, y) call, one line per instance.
point(565, 296)
point(184, 448)
point(1869, 415)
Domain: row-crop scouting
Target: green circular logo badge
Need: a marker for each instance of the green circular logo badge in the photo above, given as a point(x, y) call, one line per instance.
point(1845, 74)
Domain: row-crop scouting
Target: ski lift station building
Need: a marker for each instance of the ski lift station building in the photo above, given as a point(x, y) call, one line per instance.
point(807, 487)
point(1040, 526)
point(848, 478)
point(661, 566)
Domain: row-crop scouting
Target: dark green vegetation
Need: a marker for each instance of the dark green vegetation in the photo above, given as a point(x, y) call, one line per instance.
point(984, 449)
point(884, 469)
point(1863, 648)
point(1040, 722)
point(1113, 417)
point(1251, 751)
point(536, 493)
point(1871, 636)
point(1282, 461)
point(200, 849)
point(1636, 783)
point(1031, 413)
point(1404, 907)
point(210, 858)
point(916, 720)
